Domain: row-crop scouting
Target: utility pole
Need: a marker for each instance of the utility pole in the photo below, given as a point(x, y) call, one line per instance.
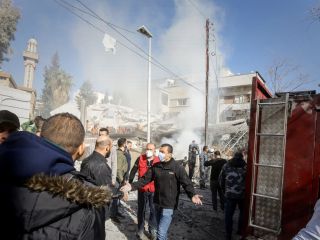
point(207, 84)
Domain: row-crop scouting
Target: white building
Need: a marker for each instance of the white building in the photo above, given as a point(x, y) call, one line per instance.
point(176, 97)
point(20, 100)
point(234, 97)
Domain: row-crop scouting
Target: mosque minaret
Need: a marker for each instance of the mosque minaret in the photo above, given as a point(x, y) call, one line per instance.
point(30, 57)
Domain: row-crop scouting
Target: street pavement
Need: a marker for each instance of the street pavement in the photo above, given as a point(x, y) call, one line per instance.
point(190, 222)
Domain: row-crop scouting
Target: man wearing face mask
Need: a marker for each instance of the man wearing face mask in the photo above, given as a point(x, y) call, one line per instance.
point(146, 193)
point(167, 175)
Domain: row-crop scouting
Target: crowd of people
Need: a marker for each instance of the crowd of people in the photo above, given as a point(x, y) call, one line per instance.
point(52, 199)
point(44, 197)
point(227, 181)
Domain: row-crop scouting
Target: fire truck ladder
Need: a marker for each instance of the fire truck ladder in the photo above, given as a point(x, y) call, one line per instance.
point(268, 165)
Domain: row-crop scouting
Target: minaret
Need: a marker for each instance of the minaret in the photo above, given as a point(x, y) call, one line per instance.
point(30, 57)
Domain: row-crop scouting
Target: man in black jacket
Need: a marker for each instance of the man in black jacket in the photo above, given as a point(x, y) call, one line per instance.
point(95, 166)
point(168, 175)
point(216, 166)
point(42, 196)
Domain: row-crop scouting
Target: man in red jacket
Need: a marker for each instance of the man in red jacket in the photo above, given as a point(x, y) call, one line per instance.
point(146, 193)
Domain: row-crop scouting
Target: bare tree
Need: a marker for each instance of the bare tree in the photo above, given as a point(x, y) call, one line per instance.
point(285, 76)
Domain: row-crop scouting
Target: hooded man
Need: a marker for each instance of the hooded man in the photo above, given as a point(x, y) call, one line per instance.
point(42, 195)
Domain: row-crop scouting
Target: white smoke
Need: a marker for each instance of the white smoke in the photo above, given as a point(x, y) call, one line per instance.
point(180, 46)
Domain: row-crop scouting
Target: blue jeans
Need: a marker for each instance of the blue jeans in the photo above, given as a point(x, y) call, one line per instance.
point(230, 207)
point(164, 217)
point(145, 198)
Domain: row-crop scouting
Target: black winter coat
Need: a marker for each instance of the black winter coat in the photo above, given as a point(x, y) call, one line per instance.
point(167, 176)
point(43, 197)
point(95, 166)
point(47, 209)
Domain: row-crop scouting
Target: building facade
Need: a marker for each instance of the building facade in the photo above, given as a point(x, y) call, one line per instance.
point(21, 100)
point(231, 101)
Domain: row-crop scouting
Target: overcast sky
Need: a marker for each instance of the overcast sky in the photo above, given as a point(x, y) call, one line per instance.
point(250, 36)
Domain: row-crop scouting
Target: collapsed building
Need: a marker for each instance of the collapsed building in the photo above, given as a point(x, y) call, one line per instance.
point(179, 108)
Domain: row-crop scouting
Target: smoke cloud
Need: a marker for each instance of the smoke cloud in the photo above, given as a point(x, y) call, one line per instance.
point(179, 44)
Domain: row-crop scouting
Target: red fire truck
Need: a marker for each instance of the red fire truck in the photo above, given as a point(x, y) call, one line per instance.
point(282, 184)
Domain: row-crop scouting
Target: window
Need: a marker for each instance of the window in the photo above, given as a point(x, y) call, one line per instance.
point(227, 100)
point(164, 99)
point(239, 99)
point(182, 102)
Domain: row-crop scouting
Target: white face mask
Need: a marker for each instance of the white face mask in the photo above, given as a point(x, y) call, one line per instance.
point(161, 156)
point(149, 153)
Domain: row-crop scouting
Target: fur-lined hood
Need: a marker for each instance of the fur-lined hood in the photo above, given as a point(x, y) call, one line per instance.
point(47, 199)
point(70, 189)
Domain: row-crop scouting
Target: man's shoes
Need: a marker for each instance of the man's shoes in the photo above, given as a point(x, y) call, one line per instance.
point(115, 220)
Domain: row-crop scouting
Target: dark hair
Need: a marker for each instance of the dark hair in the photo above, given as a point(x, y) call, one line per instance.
point(121, 142)
point(238, 155)
point(6, 126)
point(205, 147)
point(9, 121)
point(104, 130)
point(217, 153)
point(64, 129)
point(170, 148)
point(38, 122)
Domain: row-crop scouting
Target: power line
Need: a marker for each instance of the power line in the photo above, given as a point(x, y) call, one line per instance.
point(134, 44)
point(90, 14)
point(155, 63)
point(196, 7)
point(102, 31)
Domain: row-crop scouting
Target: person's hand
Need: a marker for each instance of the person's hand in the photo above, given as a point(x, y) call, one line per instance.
point(125, 196)
point(113, 184)
point(126, 188)
point(196, 199)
